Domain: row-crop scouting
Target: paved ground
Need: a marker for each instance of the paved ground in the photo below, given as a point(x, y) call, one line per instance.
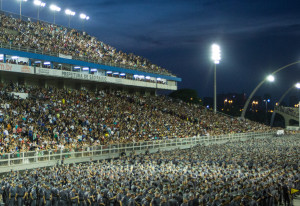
point(297, 201)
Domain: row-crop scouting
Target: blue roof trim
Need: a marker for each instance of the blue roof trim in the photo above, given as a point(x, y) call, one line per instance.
point(82, 63)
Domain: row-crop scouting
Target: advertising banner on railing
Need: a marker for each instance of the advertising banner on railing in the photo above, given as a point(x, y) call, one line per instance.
point(65, 56)
point(16, 68)
point(18, 95)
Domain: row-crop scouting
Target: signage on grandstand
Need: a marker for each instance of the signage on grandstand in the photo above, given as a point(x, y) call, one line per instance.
point(16, 68)
point(65, 56)
point(17, 95)
point(83, 76)
point(77, 75)
point(48, 72)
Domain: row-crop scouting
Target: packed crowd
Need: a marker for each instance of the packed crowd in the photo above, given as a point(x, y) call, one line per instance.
point(55, 118)
point(289, 110)
point(58, 39)
point(251, 173)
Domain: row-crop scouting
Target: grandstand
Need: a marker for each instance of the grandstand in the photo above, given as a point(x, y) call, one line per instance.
point(51, 75)
point(67, 99)
point(44, 54)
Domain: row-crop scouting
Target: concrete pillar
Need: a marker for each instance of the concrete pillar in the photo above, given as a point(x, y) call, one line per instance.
point(286, 121)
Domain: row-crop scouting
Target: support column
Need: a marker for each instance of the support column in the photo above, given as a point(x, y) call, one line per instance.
point(29, 62)
point(286, 121)
point(52, 65)
point(4, 58)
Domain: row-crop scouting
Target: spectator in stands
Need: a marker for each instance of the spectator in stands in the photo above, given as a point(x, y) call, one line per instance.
point(49, 38)
point(67, 119)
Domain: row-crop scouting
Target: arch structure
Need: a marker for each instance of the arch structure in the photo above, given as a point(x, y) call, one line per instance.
point(288, 113)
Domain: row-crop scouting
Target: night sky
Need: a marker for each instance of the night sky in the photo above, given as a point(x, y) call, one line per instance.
point(256, 37)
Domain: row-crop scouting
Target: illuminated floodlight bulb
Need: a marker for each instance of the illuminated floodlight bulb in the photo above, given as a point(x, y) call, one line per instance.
point(271, 78)
point(216, 53)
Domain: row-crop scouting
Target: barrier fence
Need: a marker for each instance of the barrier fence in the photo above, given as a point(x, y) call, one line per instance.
point(24, 158)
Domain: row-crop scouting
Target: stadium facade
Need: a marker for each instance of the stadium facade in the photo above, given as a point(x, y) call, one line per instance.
point(31, 67)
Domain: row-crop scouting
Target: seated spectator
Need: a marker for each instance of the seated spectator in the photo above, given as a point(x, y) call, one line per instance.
point(76, 119)
point(48, 38)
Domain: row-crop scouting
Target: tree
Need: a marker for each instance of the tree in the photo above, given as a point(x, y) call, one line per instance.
point(186, 95)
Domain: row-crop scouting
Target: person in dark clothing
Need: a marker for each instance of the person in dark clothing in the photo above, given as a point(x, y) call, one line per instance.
point(63, 196)
point(55, 196)
point(74, 198)
point(81, 195)
point(12, 195)
point(33, 196)
point(47, 196)
point(20, 195)
point(155, 200)
point(286, 195)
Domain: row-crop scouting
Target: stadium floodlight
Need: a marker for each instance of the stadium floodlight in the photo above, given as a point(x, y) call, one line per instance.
point(271, 78)
point(216, 57)
point(70, 14)
point(39, 4)
point(260, 84)
point(216, 53)
point(55, 9)
point(297, 85)
point(21, 8)
point(83, 17)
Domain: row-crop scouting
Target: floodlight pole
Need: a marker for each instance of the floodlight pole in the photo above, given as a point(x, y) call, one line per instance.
point(215, 88)
point(279, 102)
point(21, 9)
point(54, 17)
point(259, 85)
point(38, 17)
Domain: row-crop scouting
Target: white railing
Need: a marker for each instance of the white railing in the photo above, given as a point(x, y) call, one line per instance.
point(10, 159)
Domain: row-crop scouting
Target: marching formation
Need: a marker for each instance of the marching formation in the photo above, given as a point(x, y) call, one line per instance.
point(254, 172)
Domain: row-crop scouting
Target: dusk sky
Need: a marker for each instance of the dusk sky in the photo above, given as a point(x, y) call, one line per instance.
point(256, 37)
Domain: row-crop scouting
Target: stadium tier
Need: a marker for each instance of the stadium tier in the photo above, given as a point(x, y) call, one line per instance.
point(33, 118)
point(56, 53)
